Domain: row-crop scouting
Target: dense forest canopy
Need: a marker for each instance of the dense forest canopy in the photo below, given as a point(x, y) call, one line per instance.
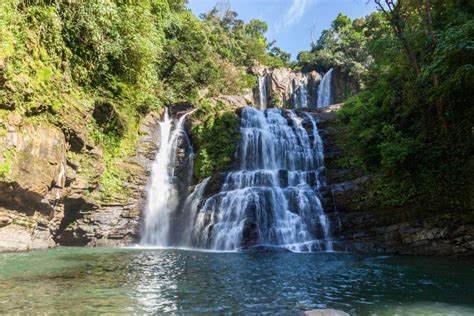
point(158, 49)
point(413, 119)
point(411, 62)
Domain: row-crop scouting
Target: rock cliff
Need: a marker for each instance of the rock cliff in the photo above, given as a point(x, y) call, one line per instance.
point(287, 88)
point(360, 225)
point(49, 189)
point(34, 161)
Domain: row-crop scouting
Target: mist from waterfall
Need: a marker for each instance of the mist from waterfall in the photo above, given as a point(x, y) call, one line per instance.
point(273, 199)
point(325, 96)
point(162, 194)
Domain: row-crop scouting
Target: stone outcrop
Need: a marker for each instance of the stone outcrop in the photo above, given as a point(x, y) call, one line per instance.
point(49, 186)
point(114, 220)
point(34, 161)
point(284, 86)
point(408, 231)
point(360, 225)
point(16, 237)
point(233, 101)
point(343, 85)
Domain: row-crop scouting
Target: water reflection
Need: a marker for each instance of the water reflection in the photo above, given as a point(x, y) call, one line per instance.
point(155, 281)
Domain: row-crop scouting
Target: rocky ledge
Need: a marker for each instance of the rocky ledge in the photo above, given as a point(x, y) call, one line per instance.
point(360, 225)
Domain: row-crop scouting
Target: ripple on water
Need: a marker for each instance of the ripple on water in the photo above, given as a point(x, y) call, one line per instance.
point(73, 280)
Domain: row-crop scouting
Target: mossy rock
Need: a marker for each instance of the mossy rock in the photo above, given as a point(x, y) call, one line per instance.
point(216, 137)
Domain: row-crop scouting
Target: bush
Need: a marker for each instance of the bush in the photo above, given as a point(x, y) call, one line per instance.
point(216, 134)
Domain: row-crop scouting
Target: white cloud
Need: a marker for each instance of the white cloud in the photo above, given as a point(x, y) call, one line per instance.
point(296, 11)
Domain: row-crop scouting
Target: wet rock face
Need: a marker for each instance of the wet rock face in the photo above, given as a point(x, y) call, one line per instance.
point(31, 189)
point(184, 165)
point(360, 225)
point(343, 85)
point(47, 193)
point(115, 222)
point(250, 231)
point(282, 84)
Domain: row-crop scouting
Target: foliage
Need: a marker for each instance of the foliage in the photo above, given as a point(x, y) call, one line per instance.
point(242, 43)
point(344, 45)
point(61, 61)
point(413, 123)
point(6, 163)
point(216, 134)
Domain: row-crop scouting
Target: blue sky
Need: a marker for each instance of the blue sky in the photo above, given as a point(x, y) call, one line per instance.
point(292, 23)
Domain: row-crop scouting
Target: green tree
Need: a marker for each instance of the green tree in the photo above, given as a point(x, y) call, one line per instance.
point(413, 122)
point(344, 45)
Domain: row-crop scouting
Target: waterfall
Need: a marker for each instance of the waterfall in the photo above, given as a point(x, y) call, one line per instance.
point(325, 90)
point(163, 192)
point(263, 92)
point(273, 199)
point(298, 92)
point(192, 207)
point(302, 95)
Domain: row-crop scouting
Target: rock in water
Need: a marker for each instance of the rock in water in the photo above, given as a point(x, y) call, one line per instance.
point(325, 312)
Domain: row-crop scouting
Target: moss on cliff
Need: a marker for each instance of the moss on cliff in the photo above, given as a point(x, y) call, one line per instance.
point(215, 133)
point(6, 162)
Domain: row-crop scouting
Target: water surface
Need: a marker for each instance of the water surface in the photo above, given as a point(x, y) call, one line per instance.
point(107, 280)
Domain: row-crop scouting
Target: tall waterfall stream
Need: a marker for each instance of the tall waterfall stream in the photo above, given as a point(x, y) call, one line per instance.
point(263, 93)
point(163, 199)
point(325, 97)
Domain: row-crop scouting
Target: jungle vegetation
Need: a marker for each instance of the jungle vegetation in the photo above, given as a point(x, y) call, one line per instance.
point(412, 121)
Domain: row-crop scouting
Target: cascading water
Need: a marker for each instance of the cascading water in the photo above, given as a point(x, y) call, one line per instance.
point(263, 93)
point(163, 193)
point(299, 93)
point(273, 199)
point(325, 90)
point(303, 95)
